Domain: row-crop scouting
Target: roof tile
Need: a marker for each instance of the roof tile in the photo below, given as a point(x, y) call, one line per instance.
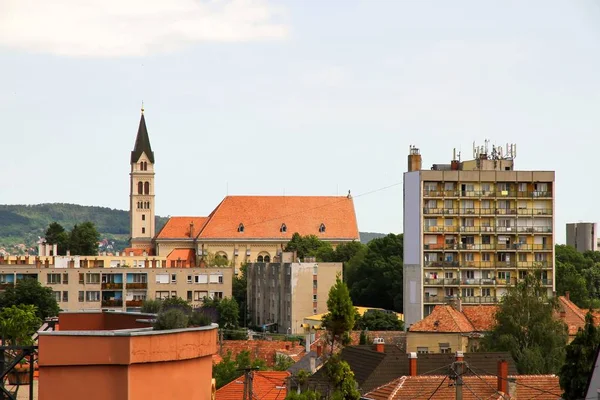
point(443, 318)
point(483, 318)
point(266, 385)
point(179, 227)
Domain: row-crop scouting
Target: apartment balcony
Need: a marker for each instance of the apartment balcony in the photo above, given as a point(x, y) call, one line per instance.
point(451, 282)
point(506, 211)
point(433, 193)
point(434, 281)
point(505, 193)
point(534, 264)
point(112, 302)
point(6, 285)
point(441, 264)
point(467, 282)
point(427, 298)
point(136, 285)
point(505, 264)
point(112, 286)
point(535, 212)
point(433, 211)
point(479, 299)
point(133, 303)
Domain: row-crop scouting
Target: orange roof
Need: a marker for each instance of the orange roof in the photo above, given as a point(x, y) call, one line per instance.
point(540, 387)
point(138, 251)
point(443, 318)
point(187, 255)
point(179, 227)
point(266, 385)
point(483, 318)
point(265, 350)
point(263, 217)
point(574, 316)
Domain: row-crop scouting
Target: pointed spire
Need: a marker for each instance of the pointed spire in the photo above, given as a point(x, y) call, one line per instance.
point(142, 142)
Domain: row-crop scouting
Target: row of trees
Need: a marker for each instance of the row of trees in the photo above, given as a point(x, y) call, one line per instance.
point(578, 274)
point(81, 240)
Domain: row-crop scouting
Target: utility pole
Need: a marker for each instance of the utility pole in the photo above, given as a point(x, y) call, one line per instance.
point(248, 377)
point(457, 371)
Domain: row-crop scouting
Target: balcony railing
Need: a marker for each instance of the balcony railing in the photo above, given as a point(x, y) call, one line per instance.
point(433, 298)
point(479, 299)
point(6, 285)
point(136, 285)
point(111, 286)
point(112, 303)
point(133, 303)
point(434, 281)
point(488, 229)
point(488, 193)
point(441, 264)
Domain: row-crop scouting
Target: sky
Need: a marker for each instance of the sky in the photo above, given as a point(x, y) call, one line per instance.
point(296, 97)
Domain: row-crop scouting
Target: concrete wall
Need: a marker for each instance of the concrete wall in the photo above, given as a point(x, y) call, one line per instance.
point(583, 236)
point(413, 245)
point(432, 341)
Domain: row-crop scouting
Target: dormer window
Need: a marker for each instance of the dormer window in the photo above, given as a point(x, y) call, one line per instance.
point(241, 228)
point(322, 228)
point(283, 228)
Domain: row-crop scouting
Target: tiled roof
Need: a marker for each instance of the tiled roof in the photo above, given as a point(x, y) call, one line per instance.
point(483, 318)
point(263, 217)
point(138, 251)
point(304, 363)
point(179, 227)
point(266, 385)
point(541, 387)
point(186, 255)
point(443, 318)
point(574, 316)
point(265, 350)
point(373, 369)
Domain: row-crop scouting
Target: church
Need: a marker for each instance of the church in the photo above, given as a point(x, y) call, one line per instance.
point(241, 229)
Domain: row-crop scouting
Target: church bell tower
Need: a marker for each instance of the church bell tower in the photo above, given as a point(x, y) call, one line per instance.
point(141, 190)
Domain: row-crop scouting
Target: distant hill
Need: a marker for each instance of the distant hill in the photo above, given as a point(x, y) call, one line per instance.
point(22, 225)
point(366, 237)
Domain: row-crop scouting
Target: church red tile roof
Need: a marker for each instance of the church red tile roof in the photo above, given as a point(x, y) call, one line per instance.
point(262, 217)
point(179, 227)
point(540, 387)
point(266, 385)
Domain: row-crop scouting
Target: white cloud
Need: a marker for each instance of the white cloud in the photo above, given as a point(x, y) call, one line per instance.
point(329, 76)
point(113, 28)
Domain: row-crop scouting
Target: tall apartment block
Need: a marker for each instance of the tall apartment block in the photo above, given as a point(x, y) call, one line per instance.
point(582, 236)
point(473, 228)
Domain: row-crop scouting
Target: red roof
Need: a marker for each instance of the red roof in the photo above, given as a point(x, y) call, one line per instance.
point(263, 217)
point(265, 350)
point(443, 318)
point(266, 385)
point(482, 317)
point(179, 227)
point(185, 256)
point(138, 251)
point(540, 387)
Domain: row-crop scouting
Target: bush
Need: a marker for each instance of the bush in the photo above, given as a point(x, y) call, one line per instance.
point(151, 306)
point(176, 302)
point(171, 319)
point(199, 318)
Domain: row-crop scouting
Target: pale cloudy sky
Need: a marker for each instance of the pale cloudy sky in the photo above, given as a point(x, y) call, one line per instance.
point(304, 97)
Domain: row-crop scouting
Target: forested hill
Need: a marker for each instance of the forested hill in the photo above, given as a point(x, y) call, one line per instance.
point(22, 225)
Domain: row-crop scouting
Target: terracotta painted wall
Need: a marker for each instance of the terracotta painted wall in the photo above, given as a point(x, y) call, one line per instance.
point(108, 383)
point(98, 321)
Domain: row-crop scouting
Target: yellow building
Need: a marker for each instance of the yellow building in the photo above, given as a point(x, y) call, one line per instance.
point(241, 229)
point(472, 228)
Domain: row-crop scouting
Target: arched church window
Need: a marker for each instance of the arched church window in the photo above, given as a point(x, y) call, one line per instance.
point(267, 258)
point(140, 188)
point(241, 228)
point(147, 188)
point(322, 228)
point(283, 228)
point(259, 259)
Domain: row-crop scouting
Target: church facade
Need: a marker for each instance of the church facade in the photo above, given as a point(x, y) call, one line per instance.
point(241, 229)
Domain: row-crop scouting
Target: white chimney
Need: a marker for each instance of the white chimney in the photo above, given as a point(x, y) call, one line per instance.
point(313, 364)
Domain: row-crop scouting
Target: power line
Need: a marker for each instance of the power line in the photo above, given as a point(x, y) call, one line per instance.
point(438, 388)
point(470, 390)
point(558, 396)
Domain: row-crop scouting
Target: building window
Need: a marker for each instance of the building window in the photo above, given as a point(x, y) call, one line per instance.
point(315, 269)
point(260, 259)
point(486, 292)
point(468, 292)
point(216, 295)
point(522, 257)
point(173, 278)
point(162, 295)
point(470, 274)
point(189, 279)
point(81, 278)
point(422, 350)
point(65, 278)
point(81, 296)
point(267, 258)
point(486, 257)
point(189, 295)
point(54, 279)
point(146, 187)
point(314, 284)
point(93, 278)
point(322, 228)
point(445, 348)
point(314, 297)
point(241, 228)
point(65, 297)
point(92, 296)
point(143, 230)
point(143, 217)
point(140, 188)
point(314, 311)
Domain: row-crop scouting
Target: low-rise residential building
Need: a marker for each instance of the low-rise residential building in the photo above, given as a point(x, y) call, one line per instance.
point(281, 295)
point(115, 282)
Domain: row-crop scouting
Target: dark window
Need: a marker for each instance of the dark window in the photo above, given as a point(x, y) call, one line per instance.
point(140, 188)
point(147, 188)
point(267, 259)
point(260, 259)
point(241, 228)
point(143, 217)
point(283, 228)
point(143, 230)
point(322, 228)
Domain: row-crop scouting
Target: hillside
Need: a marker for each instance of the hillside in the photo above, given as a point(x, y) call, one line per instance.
point(22, 225)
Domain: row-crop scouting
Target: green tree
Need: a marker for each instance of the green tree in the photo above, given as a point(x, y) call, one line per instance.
point(579, 361)
point(83, 239)
point(18, 323)
point(56, 234)
point(171, 318)
point(308, 395)
point(526, 328)
point(339, 321)
point(282, 362)
point(151, 306)
point(176, 302)
point(377, 320)
point(341, 377)
point(346, 251)
point(568, 279)
point(229, 313)
point(229, 368)
point(30, 291)
point(377, 280)
point(239, 292)
point(310, 246)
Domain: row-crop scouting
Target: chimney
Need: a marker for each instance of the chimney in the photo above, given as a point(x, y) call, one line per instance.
point(460, 356)
point(313, 365)
point(568, 295)
point(379, 345)
point(287, 346)
point(503, 376)
point(68, 253)
point(563, 314)
point(319, 350)
point(512, 388)
point(192, 229)
point(412, 364)
point(414, 159)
